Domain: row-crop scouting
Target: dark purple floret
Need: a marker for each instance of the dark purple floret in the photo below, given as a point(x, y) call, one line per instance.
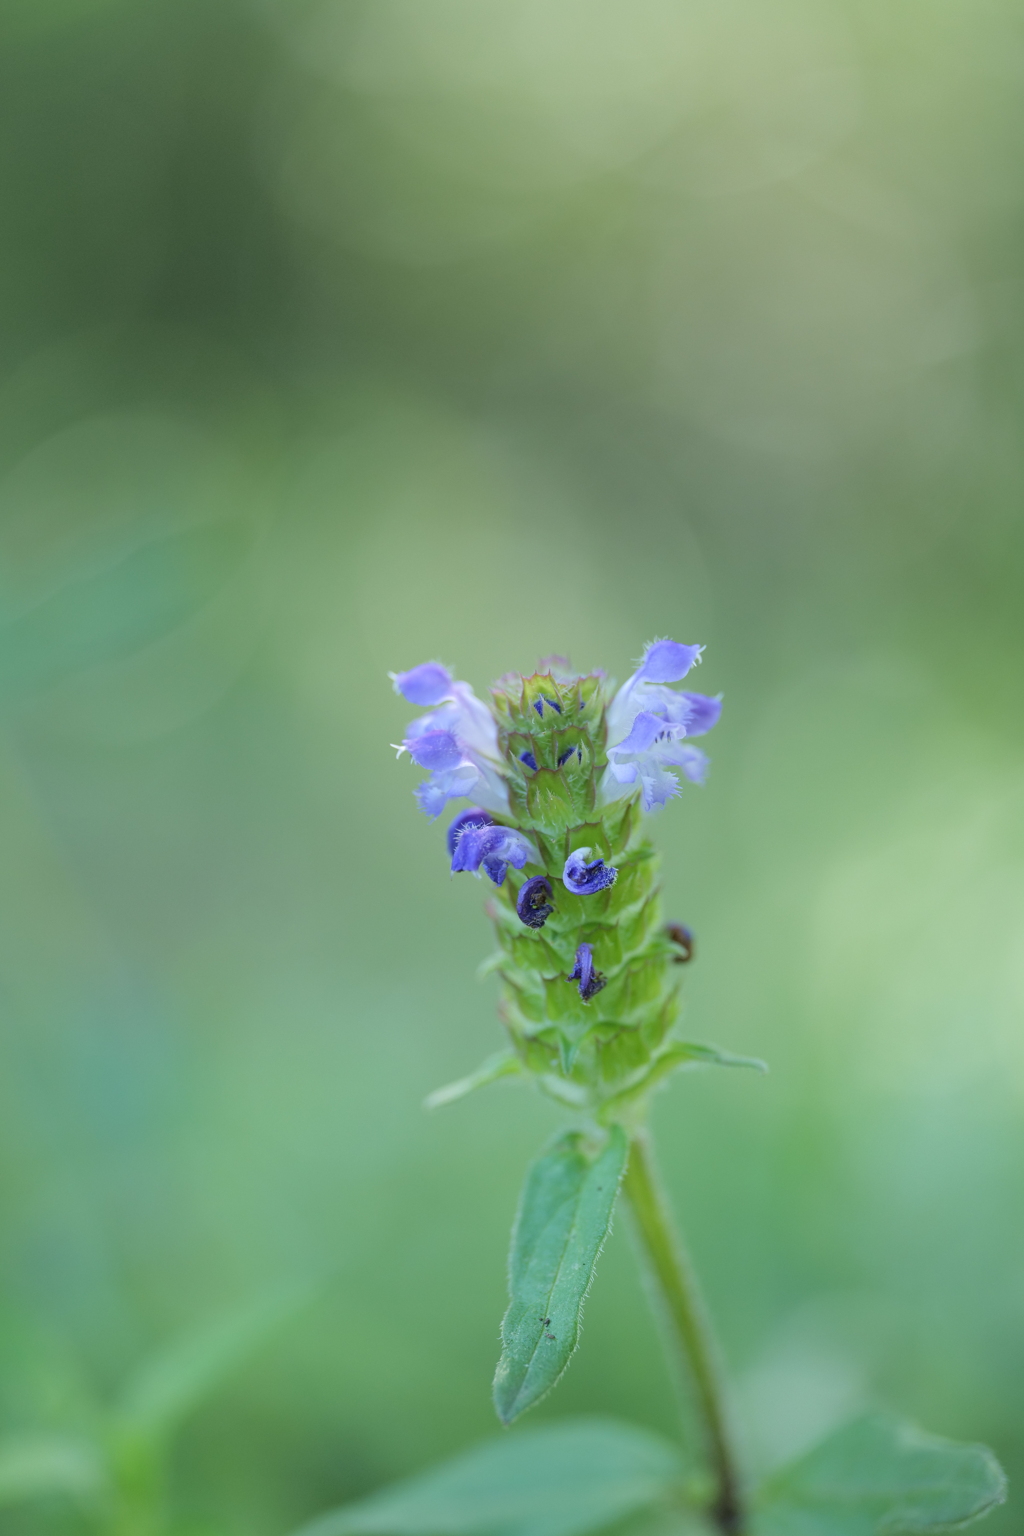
point(568, 753)
point(590, 981)
point(538, 705)
point(682, 938)
point(491, 848)
point(473, 816)
point(533, 906)
point(553, 704)
point(583, 878)
point(529, 759)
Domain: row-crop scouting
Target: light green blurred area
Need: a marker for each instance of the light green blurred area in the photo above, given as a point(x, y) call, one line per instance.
point(338, 336)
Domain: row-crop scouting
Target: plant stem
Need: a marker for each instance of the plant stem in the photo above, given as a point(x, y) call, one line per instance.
point(676, 1285)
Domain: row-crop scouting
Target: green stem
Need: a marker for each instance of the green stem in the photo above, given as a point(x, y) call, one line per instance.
point(677, 1288)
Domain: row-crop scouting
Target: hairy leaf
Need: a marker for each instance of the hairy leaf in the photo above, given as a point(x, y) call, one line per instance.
point(688, 1051)
point(879, 1475)
point(502, 1064)
point(563, 1220)
point(679, 1054)
point(561, 1480)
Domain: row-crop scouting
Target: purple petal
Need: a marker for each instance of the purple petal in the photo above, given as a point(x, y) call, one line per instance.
point(424, 685)
point(657, 786)
point(444, 718)
point(584, 879)
point(692, 761)
point(473, 816)
point(454, 783)
point(666, 661)
point(701, 713)
point(435, 750)
point(533, 906)
point(646, 730)
point(583, 971)
point(493, 847)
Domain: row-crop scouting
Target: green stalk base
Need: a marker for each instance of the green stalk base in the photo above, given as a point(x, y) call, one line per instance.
point(676, 1286)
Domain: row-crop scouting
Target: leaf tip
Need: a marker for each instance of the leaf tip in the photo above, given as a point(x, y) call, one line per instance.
point(507, 1412)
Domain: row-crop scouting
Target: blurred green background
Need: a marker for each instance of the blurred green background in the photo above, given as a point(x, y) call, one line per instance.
point(339, 335)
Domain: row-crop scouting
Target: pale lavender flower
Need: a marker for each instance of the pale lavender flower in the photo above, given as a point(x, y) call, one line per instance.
point(647, 724)
point(456, 740)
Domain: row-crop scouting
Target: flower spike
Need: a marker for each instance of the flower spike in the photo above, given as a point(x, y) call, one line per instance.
point(556, 772)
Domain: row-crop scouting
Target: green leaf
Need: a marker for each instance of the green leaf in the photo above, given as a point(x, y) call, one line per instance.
point(563, 1220)
point(561, 1480)
point(33, 1466)
point(678, 1054)
point(879, 1475)
point(502, 1064)
point(169, 1385)
point(689, 1052)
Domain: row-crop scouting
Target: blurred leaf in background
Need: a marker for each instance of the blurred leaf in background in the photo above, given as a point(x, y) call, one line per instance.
point(337, 335)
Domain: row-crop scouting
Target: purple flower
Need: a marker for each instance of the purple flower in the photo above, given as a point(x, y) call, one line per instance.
point(436, 750)
point(692, 761)
point(584, 879)
point(590, 981)
point(456, 740)
point(434, 793)
point(666, 661)
point(647, 724)
point(474, 816)
point(533, 906)
point(493, 849)
point(424, 685)
point(701, 712)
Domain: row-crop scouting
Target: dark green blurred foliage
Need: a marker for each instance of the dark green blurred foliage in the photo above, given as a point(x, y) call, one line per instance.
point(337, 336)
